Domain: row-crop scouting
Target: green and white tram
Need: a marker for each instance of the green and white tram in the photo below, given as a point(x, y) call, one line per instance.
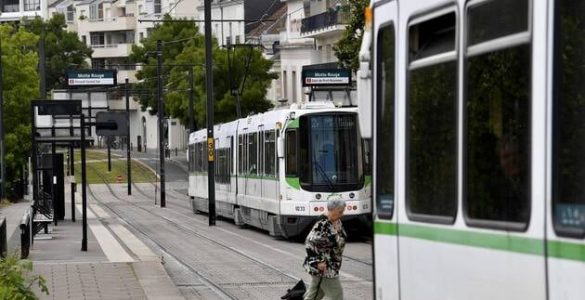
point(277, 170)
point(476, 110)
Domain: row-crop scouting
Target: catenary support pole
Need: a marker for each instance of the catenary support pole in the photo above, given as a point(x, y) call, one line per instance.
point(83, 186)
point(191, 100)
point(161, 117)
point(128, 159)
point(210, 111)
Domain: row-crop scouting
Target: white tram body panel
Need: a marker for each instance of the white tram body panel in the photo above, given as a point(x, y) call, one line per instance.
point(526, 240)
point(254, 188)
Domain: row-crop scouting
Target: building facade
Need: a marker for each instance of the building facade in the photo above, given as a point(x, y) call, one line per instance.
point(110, 29)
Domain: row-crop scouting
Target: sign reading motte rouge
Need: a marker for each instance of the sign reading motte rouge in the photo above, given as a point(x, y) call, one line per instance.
point(326, 77)
point(90, 78)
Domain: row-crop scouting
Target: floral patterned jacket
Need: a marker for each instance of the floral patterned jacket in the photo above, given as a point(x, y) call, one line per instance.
point(324, 244)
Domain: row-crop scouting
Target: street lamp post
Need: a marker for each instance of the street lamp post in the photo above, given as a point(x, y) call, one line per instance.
point(161, 118)
point(209, 92)
point(2, 142)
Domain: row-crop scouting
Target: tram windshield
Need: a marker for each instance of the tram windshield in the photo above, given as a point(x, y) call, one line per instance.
point(330, 153)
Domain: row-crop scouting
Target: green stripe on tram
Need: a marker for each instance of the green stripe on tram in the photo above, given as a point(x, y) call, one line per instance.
point(367, 180)
point(293, 124)
point(502, 242)
point(294, 182)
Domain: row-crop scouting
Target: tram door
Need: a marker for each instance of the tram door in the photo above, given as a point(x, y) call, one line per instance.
point(384, 188)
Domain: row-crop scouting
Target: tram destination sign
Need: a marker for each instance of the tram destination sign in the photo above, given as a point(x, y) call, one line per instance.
point(315, 77)
point(91, 78)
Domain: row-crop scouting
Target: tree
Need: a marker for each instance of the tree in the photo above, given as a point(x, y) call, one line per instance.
point(225, 76)
point(348, 47)
point(175, 36)
point(20, 83)
point(63, 49)
point(184, 48)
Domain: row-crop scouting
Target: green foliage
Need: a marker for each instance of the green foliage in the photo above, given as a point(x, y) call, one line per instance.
point(190, 50)
point(20, 82)
point(63, 49)
point(348, 47)
point(15, 280)
point(186, 33)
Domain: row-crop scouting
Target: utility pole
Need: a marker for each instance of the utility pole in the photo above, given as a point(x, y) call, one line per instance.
point(161, 116)
point(209, 92)
point(83, 185)
point(109, 144)
point(128, 162)
point(42, 58)
point(2, 142)
point(191, 99)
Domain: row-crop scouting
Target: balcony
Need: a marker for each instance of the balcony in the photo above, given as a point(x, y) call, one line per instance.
point(111, 50)
point(110, 24)
point(325, 24)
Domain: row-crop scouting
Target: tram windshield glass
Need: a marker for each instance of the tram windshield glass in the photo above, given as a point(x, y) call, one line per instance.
point(330, 153)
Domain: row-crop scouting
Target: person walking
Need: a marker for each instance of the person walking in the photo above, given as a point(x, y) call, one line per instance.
point(324, 245)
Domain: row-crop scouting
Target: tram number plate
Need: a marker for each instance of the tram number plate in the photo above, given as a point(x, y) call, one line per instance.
point(210, 149)
point(299, 208)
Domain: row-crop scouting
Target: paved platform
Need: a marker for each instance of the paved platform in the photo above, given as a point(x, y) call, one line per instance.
point(117, 264)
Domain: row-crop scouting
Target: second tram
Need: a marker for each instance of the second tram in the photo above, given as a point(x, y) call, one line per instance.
point(277, 170)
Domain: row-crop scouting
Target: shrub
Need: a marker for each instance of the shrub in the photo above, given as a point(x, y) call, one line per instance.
point(16, 282)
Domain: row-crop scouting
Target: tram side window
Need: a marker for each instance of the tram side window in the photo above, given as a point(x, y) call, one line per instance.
point(384, 183)
point(432, 121)
point(261, 153)
point(253, 154)
point(191, 158)
point(291, 153)
point(569, 128)
point(198, 164)
point(497, 106)
point(270, 154)
point(240, 154)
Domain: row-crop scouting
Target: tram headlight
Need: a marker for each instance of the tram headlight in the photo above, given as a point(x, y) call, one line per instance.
point(318, 196)
point(351, 195)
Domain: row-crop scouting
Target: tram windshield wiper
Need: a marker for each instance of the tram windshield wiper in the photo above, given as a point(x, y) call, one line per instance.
point(323, 173)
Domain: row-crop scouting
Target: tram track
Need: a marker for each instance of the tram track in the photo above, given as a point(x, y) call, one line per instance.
point(216, 287)
point(144, 193)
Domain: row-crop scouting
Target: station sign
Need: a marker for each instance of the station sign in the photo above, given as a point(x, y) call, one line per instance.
point(316, 77)
point(91, 78)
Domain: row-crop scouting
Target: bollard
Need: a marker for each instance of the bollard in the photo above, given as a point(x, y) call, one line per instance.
point(3, 238)
point(176, 151)
point(25, 224)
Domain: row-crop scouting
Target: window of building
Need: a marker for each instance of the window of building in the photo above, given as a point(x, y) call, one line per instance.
point(70, 14)
point(497, 107)
point(157, 7)
point(96, 12)
point(32, 5)
point(569, 128)
point(432, 121)
point(384, 183)
point(10, 5)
